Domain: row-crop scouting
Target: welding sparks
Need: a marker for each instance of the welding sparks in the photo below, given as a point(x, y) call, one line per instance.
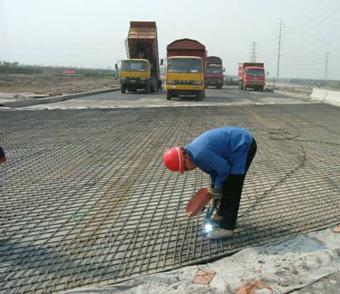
point(208, 227)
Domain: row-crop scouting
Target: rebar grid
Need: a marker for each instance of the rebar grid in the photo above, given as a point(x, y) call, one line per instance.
point(85, 197)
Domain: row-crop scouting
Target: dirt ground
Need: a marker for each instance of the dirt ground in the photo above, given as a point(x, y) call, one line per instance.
point(23, 85)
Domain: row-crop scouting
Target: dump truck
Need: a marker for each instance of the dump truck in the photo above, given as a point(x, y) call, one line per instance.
point(251, 75)
point(141, 69)
point(185, 69)
point(214, 72)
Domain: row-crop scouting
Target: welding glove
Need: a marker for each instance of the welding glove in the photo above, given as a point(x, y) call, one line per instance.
point(216, 193)
point(214, 203)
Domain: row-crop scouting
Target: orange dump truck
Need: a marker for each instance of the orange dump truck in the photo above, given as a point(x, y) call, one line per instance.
point(141, 69)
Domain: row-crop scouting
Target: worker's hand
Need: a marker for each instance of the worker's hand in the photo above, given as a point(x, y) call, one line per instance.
point(214, 203)
point(216, 193)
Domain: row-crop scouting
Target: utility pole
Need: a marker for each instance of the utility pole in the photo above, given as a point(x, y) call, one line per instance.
point(326, 66)
point(253, 52)
point(279, 52)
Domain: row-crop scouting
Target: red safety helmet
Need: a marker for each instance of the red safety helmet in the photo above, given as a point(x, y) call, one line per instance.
point(174, 159)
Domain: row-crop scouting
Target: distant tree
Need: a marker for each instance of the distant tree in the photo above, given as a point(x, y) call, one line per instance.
point(16, 68)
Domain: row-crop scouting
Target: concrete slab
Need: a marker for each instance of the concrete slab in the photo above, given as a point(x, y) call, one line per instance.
point(333, 98)
point(319, 94)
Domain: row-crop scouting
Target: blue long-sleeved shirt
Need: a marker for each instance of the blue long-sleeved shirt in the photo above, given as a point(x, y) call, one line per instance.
point(221, 152)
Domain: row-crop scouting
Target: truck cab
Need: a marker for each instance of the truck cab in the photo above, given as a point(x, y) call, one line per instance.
point(141, 68)
point(184, 76)
point(185, 70)
point(214, 76)
point(135, 74)
point(251, 75)
point(254, 77)
point(214, 72)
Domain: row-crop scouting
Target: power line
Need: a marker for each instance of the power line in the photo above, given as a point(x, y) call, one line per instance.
point(312, 27)
point(311, 19)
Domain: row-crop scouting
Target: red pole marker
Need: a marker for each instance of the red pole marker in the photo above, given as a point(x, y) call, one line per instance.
point(198, 202)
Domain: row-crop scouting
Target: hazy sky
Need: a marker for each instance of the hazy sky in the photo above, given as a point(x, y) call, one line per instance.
point(88, 33)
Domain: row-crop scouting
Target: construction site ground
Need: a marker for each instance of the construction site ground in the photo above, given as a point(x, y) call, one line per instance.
point(23, 86)
point(87, 201)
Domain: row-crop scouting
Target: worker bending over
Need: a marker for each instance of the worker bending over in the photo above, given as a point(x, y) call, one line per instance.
point(225, 154)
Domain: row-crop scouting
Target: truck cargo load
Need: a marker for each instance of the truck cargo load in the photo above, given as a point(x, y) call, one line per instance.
point(141, 69)
point(186, 47)
point(185, 69)
point(251, 75)
point(214, 72)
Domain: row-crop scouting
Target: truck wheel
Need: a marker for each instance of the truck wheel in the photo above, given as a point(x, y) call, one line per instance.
point(123, 88)
point(168, 95)
point(153, 87)
point(147, 88)
point(201, 95)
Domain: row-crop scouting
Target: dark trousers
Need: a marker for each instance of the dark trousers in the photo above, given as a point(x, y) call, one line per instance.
point(232, 190)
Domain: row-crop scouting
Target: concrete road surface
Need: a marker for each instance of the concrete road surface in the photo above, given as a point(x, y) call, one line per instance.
point(229, 95)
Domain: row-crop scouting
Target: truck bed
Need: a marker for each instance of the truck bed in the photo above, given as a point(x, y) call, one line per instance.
point(142, 43)
point(186, 47)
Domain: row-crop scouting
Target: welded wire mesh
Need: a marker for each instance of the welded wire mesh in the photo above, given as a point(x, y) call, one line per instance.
point(85, 197)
